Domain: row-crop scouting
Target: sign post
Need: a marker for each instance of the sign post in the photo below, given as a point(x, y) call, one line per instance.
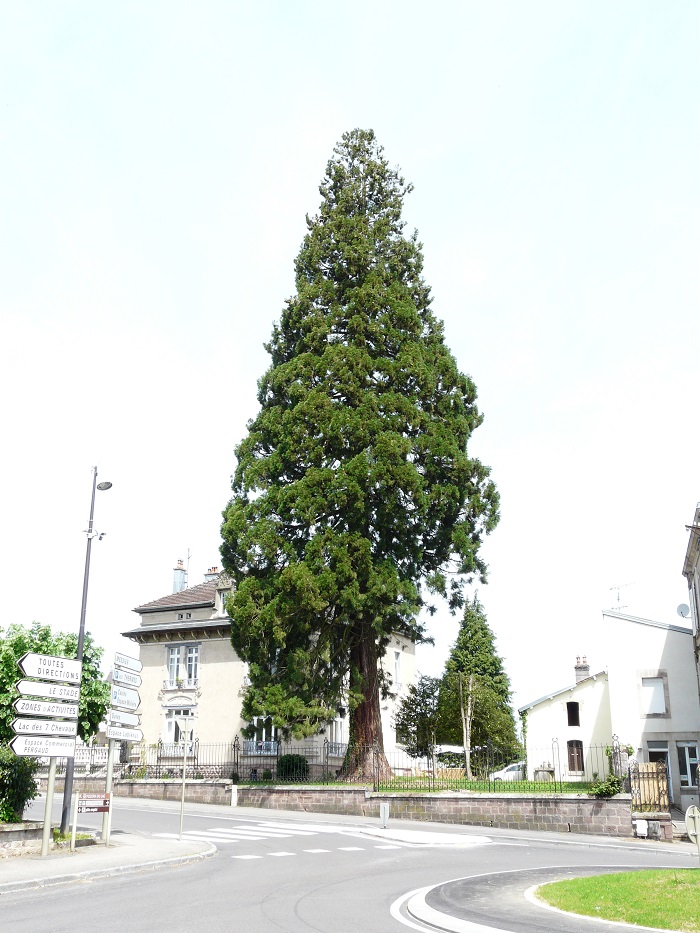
point(183, 725)
point(57, 680)
point(120, 722)
point(89, 803)
point(46, 831)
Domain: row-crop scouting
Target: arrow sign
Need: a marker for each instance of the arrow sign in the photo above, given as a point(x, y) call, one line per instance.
point(122, 718)
point(126, 677)
point(122, 696)
point(43, 746)
point(46, 708)
point(35, 688)
point(44, 727)
point(131, 664)
point(132, 735)
point(49, 667)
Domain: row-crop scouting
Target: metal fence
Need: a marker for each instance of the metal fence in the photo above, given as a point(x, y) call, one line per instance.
point(551, 770)
point(649, 787)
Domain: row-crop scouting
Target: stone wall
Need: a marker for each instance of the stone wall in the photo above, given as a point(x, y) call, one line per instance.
point(567, 814)
point(195, 791)
point(610, 816)
point(20, 838)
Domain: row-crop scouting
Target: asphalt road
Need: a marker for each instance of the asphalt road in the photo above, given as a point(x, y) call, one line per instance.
point(312, 872)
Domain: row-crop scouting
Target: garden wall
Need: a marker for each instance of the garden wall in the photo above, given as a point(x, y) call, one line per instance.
point(20, 838)
point(567, 814)
point(588, 815)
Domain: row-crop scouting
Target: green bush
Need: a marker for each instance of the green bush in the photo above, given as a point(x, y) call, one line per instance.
point(292, 768)
point(235, 777)
point(608, 788)
point(17, 784)
point(267, 775)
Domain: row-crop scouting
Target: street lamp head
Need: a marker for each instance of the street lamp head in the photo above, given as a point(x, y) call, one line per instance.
point(103, 486)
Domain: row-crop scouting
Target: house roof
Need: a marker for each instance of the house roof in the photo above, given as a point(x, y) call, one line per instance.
point(639, 621)
point(556, 693)
point(692, 555)
point(204, 594)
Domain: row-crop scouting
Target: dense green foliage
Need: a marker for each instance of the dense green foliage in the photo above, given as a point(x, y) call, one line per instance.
point(354, 494)
point(474, 657)
point(292, 768)
point(613, 784)
point(417, 719)
point(17, 784)
point(94, 691)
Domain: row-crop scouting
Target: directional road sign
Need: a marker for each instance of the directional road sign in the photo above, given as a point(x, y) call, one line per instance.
point(46, 708)
point(93, 803)
point(44, 726)
point(48, 667)
point(119, 717)
point(126, 677)
point(131, 664)
point(45, 746)
point(122, 696)
point(35, 688)
point(130, 735)
point(692, 823)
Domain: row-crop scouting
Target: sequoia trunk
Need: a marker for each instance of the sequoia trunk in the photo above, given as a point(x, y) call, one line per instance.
point(365, 759)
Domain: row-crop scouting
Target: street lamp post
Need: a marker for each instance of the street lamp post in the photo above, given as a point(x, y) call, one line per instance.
point(70, 762)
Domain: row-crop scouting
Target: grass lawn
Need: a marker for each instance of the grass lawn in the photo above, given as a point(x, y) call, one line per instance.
point(668, 899)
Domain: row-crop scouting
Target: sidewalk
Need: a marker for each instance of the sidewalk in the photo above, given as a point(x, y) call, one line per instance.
point(126, 853)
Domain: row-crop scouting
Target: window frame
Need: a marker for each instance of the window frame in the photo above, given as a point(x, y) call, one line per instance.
point(658, 675)
point(574, 756)
point(687, 764)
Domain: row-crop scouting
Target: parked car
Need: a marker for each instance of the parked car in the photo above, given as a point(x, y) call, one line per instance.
point(514, 772)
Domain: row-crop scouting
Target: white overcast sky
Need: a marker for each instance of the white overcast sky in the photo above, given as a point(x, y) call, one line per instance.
point(157, 162)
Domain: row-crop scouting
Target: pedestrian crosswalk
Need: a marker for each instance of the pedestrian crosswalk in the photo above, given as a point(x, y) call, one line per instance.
point(236, 833)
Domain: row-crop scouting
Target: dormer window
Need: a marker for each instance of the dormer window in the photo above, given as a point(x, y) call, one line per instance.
point(221, 599)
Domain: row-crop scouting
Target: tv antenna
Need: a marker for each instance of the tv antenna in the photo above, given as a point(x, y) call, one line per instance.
point(621, 586)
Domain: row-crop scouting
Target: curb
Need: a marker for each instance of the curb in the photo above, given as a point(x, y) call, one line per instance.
point(130, 868)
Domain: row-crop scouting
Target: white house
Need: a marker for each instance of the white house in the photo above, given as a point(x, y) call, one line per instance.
point(193, 681)
point(646, 695)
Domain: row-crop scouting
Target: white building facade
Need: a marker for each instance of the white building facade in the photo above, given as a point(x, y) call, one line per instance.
point(646, 696)
point(193, 682)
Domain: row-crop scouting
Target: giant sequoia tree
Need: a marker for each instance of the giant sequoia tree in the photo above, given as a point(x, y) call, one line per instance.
point(354, 494)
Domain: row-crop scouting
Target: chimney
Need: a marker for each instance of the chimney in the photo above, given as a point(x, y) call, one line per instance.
point(582, 669)
point(211, 574)
point(179, 577)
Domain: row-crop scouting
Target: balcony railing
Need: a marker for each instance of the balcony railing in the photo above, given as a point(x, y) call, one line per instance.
point(256, 747)
point(180, 683)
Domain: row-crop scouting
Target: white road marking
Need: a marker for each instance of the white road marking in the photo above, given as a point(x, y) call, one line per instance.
point(316, 850)
point(209, 837)
point(246, 856)
point(281, 854)
point(350, 849)
point(432, 919)
point(388, 847)
point(418, 837)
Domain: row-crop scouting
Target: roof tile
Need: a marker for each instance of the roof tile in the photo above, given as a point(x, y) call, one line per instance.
point(202, 594)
